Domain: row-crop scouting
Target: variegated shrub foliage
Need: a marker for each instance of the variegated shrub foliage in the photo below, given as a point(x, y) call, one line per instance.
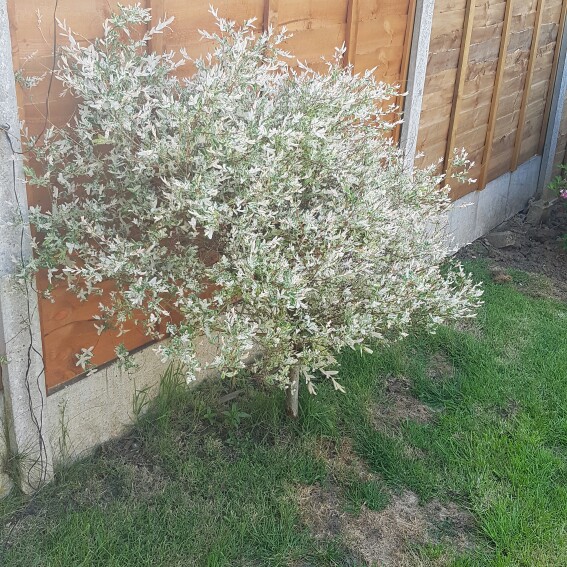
point(261, 202)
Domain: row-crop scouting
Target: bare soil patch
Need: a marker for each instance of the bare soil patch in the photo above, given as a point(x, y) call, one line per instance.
point(400, 405)
point(537, 250)
point(342, 459)
point(390, 536)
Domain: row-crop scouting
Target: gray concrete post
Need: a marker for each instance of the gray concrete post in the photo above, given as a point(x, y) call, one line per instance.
point(22, 370)
point(419, 55)
point(552, 132)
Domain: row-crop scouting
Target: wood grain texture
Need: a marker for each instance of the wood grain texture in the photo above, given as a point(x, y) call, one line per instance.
point(270, 14)
point(459, 84)
point(505, 37)
point(518, 81)
point(533, 123)
point(351, 33)
point(513, 87)
point(553, 78)
point(444, 51)
point(528, 85)
point(381, 35)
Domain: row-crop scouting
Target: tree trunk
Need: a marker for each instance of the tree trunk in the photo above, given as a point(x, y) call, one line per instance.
point(292, 393)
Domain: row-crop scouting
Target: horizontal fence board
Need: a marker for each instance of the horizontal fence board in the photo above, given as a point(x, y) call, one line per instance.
point(488, 66)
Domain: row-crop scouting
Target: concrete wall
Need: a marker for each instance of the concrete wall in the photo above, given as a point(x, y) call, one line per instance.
point(477, 213)
point(91, 410)
point(94, 409)
point(5, 482)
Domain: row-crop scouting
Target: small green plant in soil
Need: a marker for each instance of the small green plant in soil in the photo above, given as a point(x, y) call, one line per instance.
point(234, 416)
point(558, 185)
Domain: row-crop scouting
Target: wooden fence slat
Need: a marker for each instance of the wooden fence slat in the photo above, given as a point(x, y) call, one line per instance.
point(407, 43)
point(270, 14)
point(552, 79)
point(459, 84)
point(504, 39)
point(158, 12)
point(527, 85)
point(404, 70)
point(351, 37)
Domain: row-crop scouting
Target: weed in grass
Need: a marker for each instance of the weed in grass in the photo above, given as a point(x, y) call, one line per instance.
point(430, 554)
point(234, 416)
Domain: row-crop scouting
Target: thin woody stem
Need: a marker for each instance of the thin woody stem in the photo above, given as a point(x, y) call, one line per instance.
point(292, 393)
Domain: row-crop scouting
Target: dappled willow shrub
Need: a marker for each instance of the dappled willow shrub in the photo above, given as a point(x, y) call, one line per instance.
point(321, 237)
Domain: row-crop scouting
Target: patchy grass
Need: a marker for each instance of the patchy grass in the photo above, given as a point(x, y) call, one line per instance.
point(393, 534)
point(447, 450)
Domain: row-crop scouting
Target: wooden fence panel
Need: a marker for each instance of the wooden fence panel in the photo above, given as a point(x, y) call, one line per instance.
point(491, 67)
point(498, 107)
point(534, 47)
point(382, 38)
point(378, 33)
point(539, 92)
point(31, 25)
point(459, 90)
point(318, 27)
point(501, 67)
point(67, 322)
point(537, 115)
point(480, 79)
point(444, 51)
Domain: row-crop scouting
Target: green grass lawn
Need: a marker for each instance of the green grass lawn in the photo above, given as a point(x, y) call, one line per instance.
point(198, 482)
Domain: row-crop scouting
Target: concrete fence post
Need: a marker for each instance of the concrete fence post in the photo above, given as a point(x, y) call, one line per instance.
point(22, 369)
point(419, 55)
point(552, 132)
